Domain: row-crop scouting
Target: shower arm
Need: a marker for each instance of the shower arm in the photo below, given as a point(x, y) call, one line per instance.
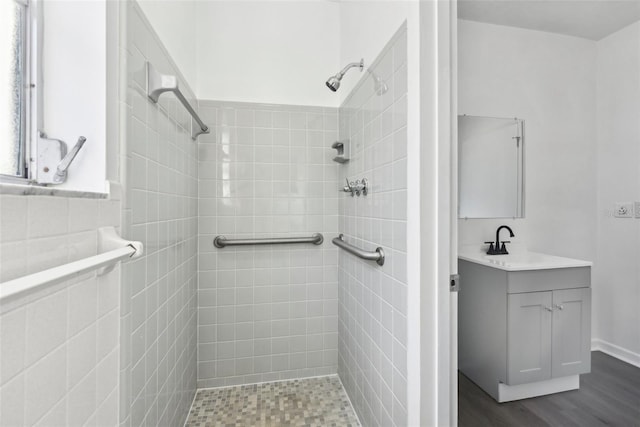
point(342, 72)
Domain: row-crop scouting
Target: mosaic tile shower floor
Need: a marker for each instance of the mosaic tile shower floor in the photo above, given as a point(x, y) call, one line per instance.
point(310, 402)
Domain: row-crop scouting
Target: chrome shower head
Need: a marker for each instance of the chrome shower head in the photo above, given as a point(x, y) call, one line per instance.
point(333, 82)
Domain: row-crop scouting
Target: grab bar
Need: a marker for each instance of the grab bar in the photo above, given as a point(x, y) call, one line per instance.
point(115, 249)
point(377, 256)
point(158, 83)
point(221, 241)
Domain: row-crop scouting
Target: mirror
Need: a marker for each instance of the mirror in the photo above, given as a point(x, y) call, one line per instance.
point(490, 167)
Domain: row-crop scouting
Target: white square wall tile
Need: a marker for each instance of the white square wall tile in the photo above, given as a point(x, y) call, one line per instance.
point(160, 290)
point(81, 355)
point(13, 218)
point(268, 185)
point(81, 400)
point(13, 337)
point(56, 220)
point(45, 384)
point(46, 326)
point(12, 398)
point(372, 300)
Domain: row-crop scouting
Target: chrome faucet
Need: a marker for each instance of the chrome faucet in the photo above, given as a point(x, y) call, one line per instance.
point(497, 249)
point(356, 188)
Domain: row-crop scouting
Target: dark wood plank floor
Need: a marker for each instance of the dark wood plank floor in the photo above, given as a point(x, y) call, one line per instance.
point(608, 396)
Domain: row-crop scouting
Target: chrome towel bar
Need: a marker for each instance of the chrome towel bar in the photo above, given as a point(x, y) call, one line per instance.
point(158, 83)
point(377, 256)
point(221, 241)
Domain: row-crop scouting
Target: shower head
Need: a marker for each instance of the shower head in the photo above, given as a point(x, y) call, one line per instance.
point(333, 82)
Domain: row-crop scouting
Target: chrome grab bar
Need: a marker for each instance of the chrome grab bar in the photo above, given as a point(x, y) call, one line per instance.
point(377, 256)
point(158, 83)
point(221, 241)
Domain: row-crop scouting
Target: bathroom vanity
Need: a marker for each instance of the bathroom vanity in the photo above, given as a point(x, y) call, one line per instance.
point(524, 322)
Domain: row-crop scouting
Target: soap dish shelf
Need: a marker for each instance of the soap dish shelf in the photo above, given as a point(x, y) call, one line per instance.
point(342, 148)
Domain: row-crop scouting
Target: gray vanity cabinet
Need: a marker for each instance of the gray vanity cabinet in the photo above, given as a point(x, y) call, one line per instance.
point(529, 329)
point(571, 345)
point(548, 335)
point(522, 327)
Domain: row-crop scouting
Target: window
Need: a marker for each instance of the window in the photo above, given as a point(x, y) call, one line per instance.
point(13, 87)
point(74, 64)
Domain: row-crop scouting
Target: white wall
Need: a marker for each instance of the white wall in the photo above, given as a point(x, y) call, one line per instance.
point(365, 28)
point(549, 81)
point(381, 156)
point(278, 52)
point(174, 21)
point(74, 93)
point(616, 274)
point(289, 52)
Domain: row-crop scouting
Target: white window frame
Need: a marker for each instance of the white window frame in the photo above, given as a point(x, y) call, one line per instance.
point(34, 74)
point(65, 120)
point(30, 113)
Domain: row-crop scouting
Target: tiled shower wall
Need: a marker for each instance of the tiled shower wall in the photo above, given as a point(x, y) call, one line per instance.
point(373, 299)
point(58, 345)
point(267, 312)
point(159, 172)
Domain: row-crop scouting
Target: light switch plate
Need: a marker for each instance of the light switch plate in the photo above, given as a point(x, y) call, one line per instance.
point(623, 210)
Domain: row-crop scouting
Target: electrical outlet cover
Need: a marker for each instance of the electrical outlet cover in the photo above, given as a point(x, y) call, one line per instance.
point(636, 209)
point(623, 210)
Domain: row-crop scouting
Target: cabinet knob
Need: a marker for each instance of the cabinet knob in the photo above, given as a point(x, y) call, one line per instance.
point(560, 306)
point(548, 308)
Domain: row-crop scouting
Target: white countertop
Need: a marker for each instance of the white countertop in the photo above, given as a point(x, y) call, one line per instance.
point(518, 259)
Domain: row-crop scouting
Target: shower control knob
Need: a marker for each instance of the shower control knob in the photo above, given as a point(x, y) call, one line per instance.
point(365, 185)
point(356, 188)
point(349, 188)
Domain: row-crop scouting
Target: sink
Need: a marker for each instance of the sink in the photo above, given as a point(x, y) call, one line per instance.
point(518, 261)
point(523, 259)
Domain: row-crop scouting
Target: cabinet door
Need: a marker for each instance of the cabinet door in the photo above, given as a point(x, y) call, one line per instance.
point(571, 353)
point(529, 337)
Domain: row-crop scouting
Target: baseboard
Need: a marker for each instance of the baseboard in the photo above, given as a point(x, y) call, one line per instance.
point(509, 393)
point(616, 351)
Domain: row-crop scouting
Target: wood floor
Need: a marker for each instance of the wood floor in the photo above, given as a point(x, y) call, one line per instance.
point(608, 396)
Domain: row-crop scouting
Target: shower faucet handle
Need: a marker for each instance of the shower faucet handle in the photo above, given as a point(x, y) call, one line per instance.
point(356, 188)
point(363, 186)
point(349, 188)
